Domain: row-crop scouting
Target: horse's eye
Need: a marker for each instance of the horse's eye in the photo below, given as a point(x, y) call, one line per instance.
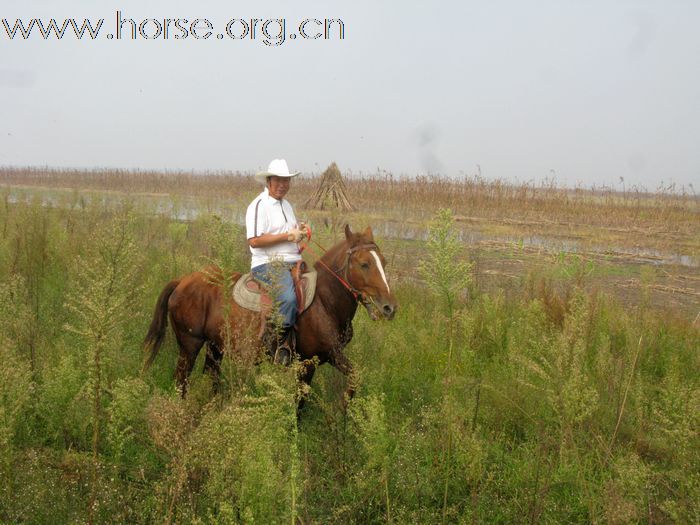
point(364, 265)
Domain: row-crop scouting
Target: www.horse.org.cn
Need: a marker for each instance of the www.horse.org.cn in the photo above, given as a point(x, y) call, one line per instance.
point(271, 31)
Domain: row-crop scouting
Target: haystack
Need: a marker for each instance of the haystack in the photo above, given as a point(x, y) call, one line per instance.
point(331, 192)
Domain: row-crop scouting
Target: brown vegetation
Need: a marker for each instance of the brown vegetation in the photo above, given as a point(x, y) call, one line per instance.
point(667, 210)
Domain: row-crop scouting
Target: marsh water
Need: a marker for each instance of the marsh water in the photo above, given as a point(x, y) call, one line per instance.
point(190, 208)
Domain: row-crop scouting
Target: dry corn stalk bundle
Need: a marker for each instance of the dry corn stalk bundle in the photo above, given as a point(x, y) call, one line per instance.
point(331, 192)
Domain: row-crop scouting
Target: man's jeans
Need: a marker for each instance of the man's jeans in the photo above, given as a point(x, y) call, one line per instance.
point(279, 278)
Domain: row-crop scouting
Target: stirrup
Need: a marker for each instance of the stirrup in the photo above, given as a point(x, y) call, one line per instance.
point(285, 349)
point(282, 356)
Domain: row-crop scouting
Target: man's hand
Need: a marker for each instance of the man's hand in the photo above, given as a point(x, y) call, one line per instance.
point(296, 235)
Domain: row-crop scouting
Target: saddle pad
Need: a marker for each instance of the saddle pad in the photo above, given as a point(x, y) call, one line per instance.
point(247, 293)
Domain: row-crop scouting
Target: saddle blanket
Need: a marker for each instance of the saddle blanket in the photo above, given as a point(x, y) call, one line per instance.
point(248, 293)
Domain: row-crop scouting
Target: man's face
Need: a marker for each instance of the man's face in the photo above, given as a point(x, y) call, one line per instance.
point(278, 186)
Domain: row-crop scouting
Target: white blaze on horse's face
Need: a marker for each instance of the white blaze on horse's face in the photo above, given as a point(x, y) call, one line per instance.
point(381, 269)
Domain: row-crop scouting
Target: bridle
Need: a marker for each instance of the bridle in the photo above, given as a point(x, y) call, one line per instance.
point(358, 295)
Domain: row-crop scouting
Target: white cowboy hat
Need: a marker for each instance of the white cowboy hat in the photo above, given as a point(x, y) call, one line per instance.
point(277, 168)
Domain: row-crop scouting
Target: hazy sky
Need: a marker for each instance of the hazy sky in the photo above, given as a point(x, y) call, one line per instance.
point(586, 91)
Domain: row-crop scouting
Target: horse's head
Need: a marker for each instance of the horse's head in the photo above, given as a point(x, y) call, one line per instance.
point(364, 270)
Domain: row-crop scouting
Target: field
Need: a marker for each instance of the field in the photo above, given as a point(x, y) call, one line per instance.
point(552, 377)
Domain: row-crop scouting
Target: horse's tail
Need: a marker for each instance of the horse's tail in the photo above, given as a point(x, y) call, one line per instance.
point(156, 332)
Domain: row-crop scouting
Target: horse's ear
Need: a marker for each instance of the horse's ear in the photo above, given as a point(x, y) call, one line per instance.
point(368, 235)
point(348, 233)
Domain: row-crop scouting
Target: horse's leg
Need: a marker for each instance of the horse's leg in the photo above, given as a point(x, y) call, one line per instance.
point(212, 364)
point(306, 374)
point(341, 362)
point(189, 349)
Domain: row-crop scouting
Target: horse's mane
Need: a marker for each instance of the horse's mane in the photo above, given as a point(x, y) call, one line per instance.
point(332, 256)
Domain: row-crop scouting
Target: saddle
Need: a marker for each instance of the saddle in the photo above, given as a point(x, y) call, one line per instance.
point(253, 295)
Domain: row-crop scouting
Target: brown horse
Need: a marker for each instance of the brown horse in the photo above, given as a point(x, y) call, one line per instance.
point(350, 273)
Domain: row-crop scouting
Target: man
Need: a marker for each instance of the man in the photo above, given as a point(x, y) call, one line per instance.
point(273, 236)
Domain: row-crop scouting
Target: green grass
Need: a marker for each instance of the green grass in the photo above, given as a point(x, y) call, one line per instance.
point(540, 402)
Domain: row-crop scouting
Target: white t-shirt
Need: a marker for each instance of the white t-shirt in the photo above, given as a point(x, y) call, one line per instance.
point(268, 215)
